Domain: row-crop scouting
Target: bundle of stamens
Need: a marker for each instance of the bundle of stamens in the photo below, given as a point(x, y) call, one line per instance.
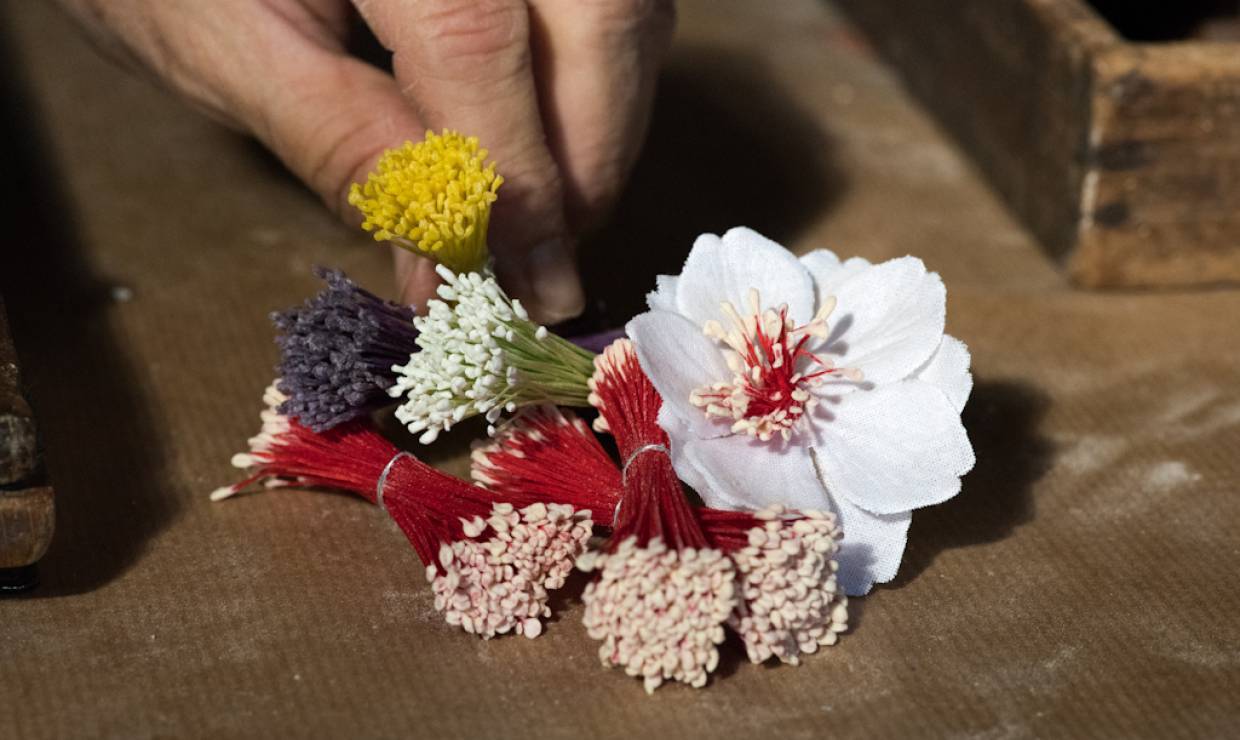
point(481, 354)
point(491, 559)
point(433, 198)
point(337, 352)
point(790, 601)
point(662, 594)
point(545, 450)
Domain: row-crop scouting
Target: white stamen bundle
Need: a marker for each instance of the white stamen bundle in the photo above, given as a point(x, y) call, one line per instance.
point(481, 354)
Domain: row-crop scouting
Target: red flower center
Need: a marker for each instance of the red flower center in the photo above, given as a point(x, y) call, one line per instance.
point(773, 369)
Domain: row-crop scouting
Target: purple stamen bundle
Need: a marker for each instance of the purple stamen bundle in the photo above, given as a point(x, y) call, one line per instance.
point(337, 352)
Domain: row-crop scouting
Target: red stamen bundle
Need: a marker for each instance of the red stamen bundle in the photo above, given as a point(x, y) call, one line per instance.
point(662, 596)
point(546, 452)
point(790, 602)
point(653, 504)
point(491, 560)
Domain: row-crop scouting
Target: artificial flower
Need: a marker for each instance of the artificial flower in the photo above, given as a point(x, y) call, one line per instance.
point(432, 198)
point(814, 383)
point(790, 603)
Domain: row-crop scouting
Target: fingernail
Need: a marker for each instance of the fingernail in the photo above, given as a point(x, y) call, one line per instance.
point(551, 272)
point(416, 281)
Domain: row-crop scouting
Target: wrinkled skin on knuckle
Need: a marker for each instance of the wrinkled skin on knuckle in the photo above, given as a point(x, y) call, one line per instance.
point(531, 207)
point(120, 29)
point(464, 40)
point(534, 173)
point(340, 153)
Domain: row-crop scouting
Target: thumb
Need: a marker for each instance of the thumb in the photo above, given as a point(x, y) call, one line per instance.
point(329, 118)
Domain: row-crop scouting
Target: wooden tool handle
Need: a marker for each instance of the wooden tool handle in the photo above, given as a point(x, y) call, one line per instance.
point(27, 511)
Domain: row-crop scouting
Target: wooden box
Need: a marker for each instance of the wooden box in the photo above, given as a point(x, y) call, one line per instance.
point(1122, 156)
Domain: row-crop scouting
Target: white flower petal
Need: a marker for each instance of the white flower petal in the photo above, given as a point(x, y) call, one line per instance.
point(896, 448)
point(872, 547)
point(678, 359)
point(740, 472)
point(888, 319)
point(948, 370)
point(821, 263)
point(828, 274)
point(663, 297)
point(678, 432)
point(719, 270)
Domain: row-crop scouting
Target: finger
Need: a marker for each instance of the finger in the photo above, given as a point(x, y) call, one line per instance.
point(330, 118)
point(601, 61)
point(278, 70)
point(416, 279)
point(466, 65)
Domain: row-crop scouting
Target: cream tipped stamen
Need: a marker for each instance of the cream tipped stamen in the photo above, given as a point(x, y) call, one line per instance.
point(773, 369)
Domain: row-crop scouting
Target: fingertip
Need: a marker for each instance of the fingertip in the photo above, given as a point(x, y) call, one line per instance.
point(416, 279)
point(554, 285)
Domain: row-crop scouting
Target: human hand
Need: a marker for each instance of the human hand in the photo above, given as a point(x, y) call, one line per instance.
point(558, 90)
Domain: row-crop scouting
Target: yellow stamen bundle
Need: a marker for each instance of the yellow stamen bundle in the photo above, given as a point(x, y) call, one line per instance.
point(433, 198)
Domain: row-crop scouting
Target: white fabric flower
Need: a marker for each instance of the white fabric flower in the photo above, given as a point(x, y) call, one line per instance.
point(766, 403)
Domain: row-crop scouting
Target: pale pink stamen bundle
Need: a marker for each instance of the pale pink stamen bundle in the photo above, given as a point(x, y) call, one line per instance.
point(501, 584)
point(662, 595)
point(659, 612)
point(791, 602)
point(490, 563)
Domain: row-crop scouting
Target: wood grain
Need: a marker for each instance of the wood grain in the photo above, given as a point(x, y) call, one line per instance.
point(1123, 158)
point(27, 520)
point(1161, 205)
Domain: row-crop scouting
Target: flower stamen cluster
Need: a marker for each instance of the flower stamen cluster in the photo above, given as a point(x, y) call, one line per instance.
point(549, 452)
point(772, 367)
point(663, 594)
point(337, 352)
point(790, 600)
point(658, 611)
point(433, 198)
point(481, 354)
point(275, 425)
point(498, 584)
